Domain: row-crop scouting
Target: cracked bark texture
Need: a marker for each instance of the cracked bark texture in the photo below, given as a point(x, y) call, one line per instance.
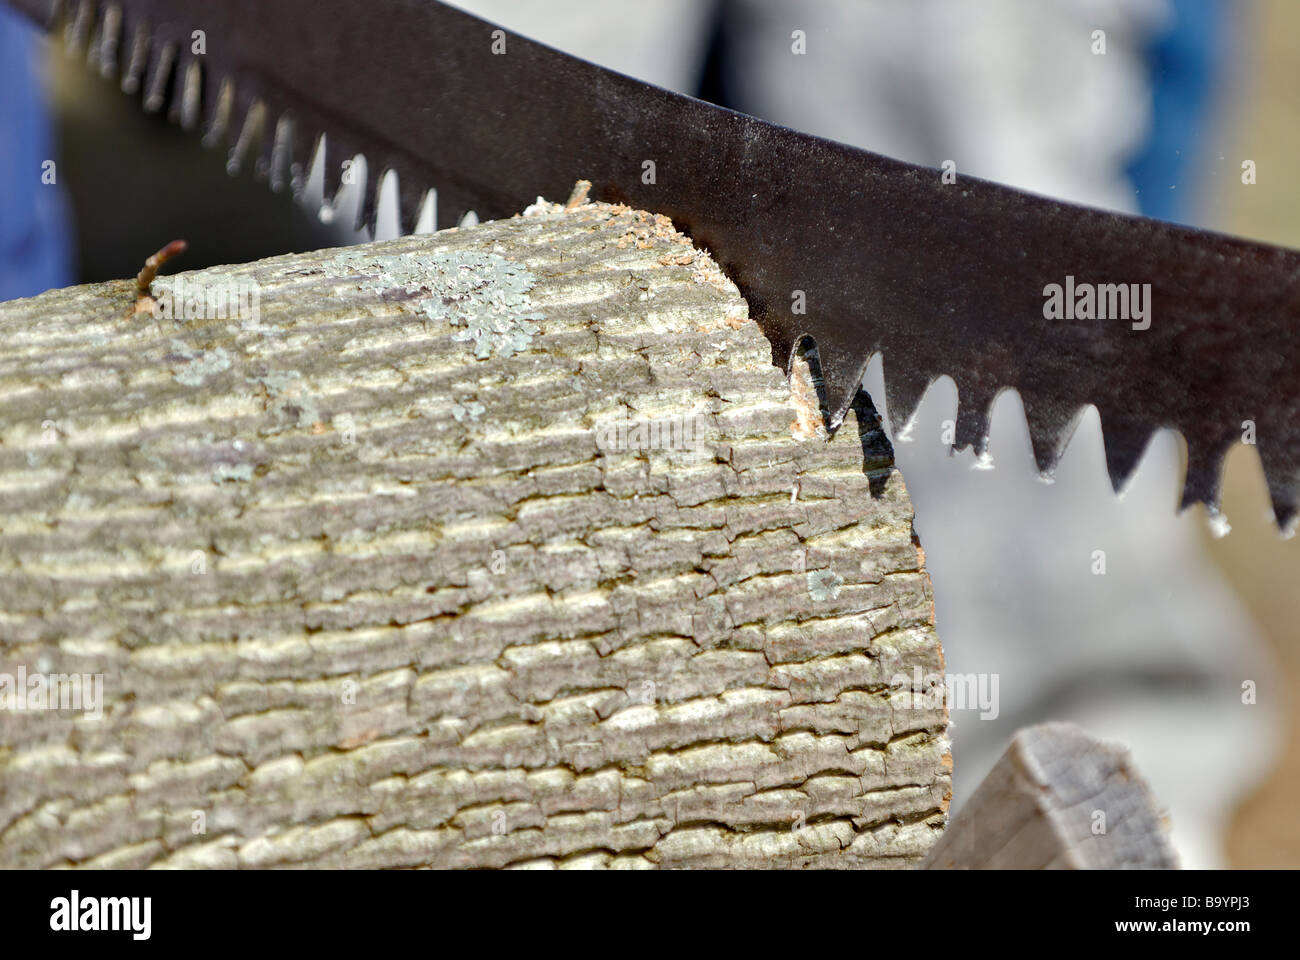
point(372, 581)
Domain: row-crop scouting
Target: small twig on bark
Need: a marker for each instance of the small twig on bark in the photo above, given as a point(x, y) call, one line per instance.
point(144, 301)
point(579, 194)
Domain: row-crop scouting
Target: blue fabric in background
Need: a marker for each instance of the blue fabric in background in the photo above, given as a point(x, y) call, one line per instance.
point(35, 231)
point(1185, 66)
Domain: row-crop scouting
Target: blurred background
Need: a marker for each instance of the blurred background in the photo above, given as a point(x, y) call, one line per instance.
point(1186, 646)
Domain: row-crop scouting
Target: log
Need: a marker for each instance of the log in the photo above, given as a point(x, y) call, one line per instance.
point(504, 546)
point(1058, 799)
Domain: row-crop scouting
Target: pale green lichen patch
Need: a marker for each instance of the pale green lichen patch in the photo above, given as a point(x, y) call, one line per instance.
point(232, 471)
point(200, 364)
point(290, 403)
point(469, 410)
point(483, 294)
point(824, 585)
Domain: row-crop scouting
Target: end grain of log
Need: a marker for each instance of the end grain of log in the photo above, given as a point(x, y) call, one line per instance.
point(1058, 799)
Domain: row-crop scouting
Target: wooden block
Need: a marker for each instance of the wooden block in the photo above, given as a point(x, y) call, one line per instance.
point(1058, 799)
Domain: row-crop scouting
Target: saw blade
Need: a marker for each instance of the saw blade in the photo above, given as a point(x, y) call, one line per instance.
point(859, 252)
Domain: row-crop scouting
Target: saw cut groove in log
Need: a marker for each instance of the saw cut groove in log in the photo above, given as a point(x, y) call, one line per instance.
point(1058, 799)
point(506, 546)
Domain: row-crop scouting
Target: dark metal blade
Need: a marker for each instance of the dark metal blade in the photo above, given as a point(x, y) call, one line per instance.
point(943, 278)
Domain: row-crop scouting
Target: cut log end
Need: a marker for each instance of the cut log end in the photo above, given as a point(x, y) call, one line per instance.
point(1058, 799)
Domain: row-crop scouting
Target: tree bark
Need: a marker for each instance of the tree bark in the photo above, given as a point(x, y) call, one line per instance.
point(506, 546)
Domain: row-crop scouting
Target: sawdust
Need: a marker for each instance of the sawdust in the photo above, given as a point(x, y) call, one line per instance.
point(643, 231)
point(808, 422)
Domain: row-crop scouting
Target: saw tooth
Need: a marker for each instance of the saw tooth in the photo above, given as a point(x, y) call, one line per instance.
point(412, 197)
point(369, 184)
point(324, 177)
point(873, 384)
point(280, 171)
point(216, 99)
point(1125, 438)
point(1204, 463)
point(1284, 507)
point(349, 182)
point(297, 137)
point(1281, 473)
point(187, 107)
point(904, 388)
point(158, 78)
point(1050, 428)
point(842, 383)
point(253, 142)
point(249, 134)
point(108, 39)
point(311, 190)
point(974, 411)
point(302, 156)
point(346, 201)
point(138, 62)
point(218, 111)
point(338, 170)
point(76, 32)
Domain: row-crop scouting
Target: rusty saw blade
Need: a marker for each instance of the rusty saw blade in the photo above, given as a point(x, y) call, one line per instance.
point(942, 278)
